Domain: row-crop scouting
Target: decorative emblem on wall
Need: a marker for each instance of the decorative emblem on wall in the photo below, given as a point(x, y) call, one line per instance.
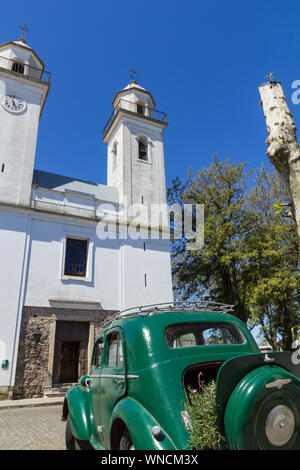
point(13, 104)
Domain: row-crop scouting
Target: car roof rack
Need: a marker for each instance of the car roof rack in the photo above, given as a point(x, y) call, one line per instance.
point(190, 305)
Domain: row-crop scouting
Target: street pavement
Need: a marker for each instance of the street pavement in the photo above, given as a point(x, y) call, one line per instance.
point(32, 428)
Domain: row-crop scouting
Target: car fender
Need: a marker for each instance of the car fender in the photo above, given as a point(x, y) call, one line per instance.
point(139, 423)
point(233, 370)
point(77, 402)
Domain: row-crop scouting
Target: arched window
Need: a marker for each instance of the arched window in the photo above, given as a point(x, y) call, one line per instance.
point(140, 107)
point(143, 149)
point(115, 155)
point(18, 66)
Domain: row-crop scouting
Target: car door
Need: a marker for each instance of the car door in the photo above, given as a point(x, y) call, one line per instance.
point(113, 379)
point(94, 384)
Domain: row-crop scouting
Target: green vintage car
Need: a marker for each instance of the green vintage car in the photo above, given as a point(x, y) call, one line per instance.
point(146, 359)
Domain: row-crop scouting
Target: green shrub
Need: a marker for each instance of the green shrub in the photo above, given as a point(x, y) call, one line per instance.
point(202, 409)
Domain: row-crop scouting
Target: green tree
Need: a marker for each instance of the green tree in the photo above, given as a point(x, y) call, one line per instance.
point(218, 269)
point(272, 251)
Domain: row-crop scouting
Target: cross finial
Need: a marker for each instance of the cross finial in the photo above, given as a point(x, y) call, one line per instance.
point(132, 74)
point(24, 30)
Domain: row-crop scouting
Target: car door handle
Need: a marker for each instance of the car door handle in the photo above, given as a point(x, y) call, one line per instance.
point(120, 383)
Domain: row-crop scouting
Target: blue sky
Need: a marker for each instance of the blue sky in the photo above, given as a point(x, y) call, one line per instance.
point(202, 61)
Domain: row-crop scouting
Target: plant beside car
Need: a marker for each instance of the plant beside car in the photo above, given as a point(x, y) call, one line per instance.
point(202, 411)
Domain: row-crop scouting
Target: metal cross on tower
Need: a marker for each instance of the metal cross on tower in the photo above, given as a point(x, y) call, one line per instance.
point(24, 30)
point(132, 74)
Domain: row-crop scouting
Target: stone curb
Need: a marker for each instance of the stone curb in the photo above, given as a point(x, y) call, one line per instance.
point(30, 403)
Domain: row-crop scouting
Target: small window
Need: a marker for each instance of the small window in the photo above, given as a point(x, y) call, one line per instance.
point(115, 161)
point(98, 353)
point(18, 67)
point(114, 352)
point(143, 151)
point(140, 108)
point(115, 156)
point(76, 257)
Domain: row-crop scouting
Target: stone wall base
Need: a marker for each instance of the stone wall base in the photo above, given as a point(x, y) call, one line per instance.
point(35, 363)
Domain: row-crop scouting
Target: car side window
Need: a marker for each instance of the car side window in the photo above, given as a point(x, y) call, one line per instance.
point(98, 353)
point(114, 350)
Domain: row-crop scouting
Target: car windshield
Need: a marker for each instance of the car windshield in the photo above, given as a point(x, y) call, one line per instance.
point(185, 335)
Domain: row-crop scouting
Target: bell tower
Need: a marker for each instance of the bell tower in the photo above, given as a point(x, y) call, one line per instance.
point(134, 137)
point(136, 167)
point(24, 85)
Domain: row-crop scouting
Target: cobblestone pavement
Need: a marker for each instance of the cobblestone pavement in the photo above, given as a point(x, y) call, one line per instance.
point(37, 428)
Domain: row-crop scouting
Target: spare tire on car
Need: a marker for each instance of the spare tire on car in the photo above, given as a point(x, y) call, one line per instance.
point(263, 411)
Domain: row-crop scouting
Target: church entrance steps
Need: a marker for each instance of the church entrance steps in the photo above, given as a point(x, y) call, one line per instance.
point(58, 390)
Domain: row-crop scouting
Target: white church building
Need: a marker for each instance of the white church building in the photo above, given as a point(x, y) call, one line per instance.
point(62, 273)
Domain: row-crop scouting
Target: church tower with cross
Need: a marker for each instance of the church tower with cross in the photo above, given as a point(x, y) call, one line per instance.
point(136, 168)
point(24, 85)
point(134, 137)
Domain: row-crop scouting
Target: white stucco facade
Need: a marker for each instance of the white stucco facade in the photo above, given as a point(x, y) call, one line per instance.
point(40, 211)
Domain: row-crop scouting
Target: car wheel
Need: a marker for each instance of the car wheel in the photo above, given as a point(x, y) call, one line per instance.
point(71, 442)
point(126, 441)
